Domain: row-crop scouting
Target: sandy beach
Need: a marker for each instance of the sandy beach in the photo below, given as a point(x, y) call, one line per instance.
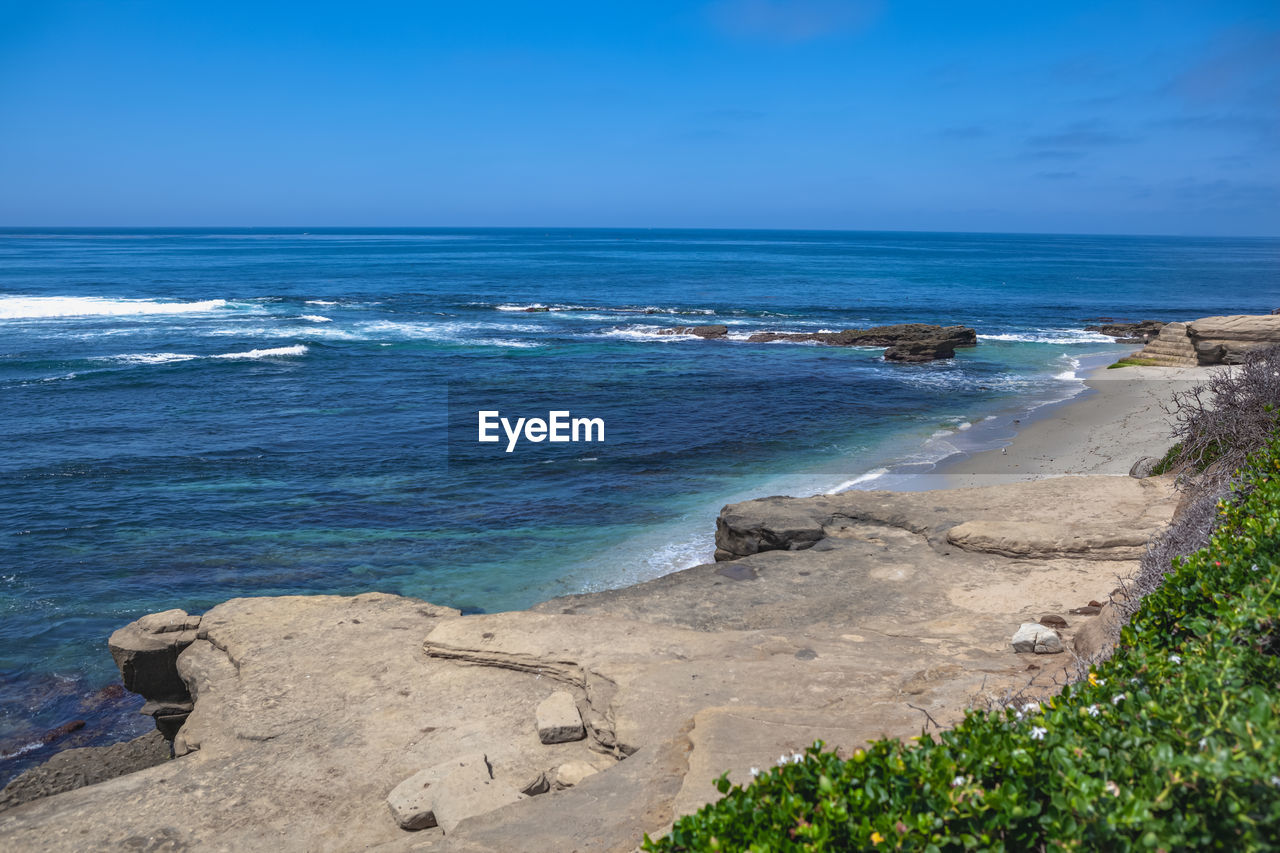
point(1104, 430)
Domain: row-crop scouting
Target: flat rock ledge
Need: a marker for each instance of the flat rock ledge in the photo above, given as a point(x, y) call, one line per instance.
point(378, 722)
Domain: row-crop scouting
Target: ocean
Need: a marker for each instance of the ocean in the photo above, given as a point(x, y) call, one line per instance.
point(194, 415)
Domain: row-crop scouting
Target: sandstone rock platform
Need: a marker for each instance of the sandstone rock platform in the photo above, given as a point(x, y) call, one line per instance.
point(836, 617)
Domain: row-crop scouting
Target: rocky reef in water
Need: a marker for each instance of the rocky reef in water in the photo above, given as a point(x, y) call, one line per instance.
point(387, 723)
point(908, 342)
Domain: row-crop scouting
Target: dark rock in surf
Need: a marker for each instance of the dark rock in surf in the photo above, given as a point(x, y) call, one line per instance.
point(1129, 333)
point(909, 342)
point(705, 332)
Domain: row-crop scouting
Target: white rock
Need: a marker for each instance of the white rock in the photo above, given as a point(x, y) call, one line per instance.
point(559, 720)
point(1034, 637)
point(573, 772)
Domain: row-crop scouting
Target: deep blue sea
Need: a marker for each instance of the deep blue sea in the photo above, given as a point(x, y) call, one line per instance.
point(190, 416)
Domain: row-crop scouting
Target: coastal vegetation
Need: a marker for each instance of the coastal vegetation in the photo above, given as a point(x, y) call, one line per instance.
point(1132, 361)
point(1171, 743)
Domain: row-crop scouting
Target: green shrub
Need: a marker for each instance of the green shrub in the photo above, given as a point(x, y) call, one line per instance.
point(1167, 461)
point(1172, 744)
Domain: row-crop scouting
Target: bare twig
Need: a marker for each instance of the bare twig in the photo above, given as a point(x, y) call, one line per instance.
point(928, 717)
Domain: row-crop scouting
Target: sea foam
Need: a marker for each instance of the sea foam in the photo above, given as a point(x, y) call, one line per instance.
point(38, 307)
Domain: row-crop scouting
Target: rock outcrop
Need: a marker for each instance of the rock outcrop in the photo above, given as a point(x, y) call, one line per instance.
point(706, 332)
point(146, 653)
point(1225, 340)
point(833, 617)
point(905, 342)
point(88, 765)
point(1212, 340)
point(1129, 333)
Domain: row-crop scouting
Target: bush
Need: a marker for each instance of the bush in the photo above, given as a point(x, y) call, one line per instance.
point(1228, 417)
point(1172, 744)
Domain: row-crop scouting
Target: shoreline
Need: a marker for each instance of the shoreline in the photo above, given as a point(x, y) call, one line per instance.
point(773, 637)
point(1106, 428)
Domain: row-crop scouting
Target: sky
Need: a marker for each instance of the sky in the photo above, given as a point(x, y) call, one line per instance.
point(1054, 117)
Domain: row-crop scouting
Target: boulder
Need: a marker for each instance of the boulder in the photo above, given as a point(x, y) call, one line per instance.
point(1098, 636)
point(573, 772)
point(537, 784)
point(413, 801)
point(1144, 467)
point(1034, 637)
point(468, 791)
point(558, 719)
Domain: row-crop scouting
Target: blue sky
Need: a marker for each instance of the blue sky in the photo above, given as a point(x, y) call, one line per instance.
point(1115, 117)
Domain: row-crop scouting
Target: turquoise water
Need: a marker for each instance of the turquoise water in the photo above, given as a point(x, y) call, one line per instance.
point(195, 415)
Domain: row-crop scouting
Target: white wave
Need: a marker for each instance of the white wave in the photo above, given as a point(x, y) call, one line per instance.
point(315, 318)
point(538, 307)
point(317, 331)
point(643, 333)
point(320, 302)
point(278, 352)
point(1070, 373)
point(530, 307)
point(964, 426)
point(174, 357)
point(1051, 336)
point(499, 342)
point(873, 474)
point(22, 750)
point(37, 307)
point(148, 357)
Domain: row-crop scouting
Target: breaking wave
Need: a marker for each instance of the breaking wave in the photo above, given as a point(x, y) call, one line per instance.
point(40, 307)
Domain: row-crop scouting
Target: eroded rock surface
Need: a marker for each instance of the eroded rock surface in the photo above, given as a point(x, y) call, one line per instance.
point(1212, 340)
point(830, 618)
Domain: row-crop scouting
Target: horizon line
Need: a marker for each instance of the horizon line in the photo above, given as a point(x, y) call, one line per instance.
point(302, 228)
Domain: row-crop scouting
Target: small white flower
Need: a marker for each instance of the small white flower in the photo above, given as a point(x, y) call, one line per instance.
point(797, 758)
point(1204, 741)
point(1031, 707)
point(1095, 710)
point(755, 771)
point(1175, 659)
point(1038, 732)
point(1275, 780)
point(1115, 700)
point(782, 759)
point(957, 782)
point(1254, 567)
